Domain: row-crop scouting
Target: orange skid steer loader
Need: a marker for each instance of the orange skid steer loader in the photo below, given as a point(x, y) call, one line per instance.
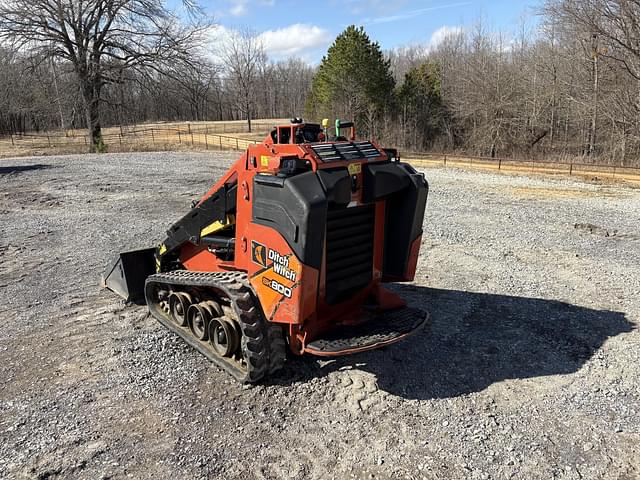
point(288, 250)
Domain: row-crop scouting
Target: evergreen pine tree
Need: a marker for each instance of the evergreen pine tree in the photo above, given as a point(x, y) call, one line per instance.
point(421, 112)
point(353, 81)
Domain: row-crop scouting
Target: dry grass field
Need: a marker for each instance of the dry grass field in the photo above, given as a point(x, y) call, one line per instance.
point(233, 135)
point(145, 137)
point(519, 167)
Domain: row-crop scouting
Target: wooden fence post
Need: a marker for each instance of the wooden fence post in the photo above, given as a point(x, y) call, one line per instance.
point(570, 168)
point(153, 138)
point(189, 130)
point(499, 163)
point(445, 158)
point(12, 144)
point(237, 147)
point(206, 142)
point(179, 137)
point(220, 138)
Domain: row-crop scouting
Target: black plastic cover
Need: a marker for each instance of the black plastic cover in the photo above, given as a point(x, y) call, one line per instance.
point(271, 180)
point(404, 217)
point(337, 185)
point(383, 179)
point(296, 207)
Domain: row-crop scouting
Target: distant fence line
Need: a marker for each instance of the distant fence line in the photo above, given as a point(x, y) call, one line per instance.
point(231, 126)
point(524, 166)
point(206, 136)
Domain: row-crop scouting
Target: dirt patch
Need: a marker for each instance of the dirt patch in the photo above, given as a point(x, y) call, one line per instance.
point(595, 230)
point(604, 232)
point(563, 192)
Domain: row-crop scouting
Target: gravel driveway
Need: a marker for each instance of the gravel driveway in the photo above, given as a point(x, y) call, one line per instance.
point(531, 368)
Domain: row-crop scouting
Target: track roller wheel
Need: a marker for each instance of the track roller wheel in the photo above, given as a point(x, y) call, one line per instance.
point(214, 307)
point(198, 317)
point(179, 303)
point(226, 323)
point(223, 336)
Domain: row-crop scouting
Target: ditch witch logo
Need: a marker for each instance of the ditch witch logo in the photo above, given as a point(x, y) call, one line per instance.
point(258, 253)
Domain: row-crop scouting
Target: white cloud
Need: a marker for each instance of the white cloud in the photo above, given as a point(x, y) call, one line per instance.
point(239, 8)
point(216, 36)
point(298, 39)
point(441, 34)
point(304, 41)
point(218, 33)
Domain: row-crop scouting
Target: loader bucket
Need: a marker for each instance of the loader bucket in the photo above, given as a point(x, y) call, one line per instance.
point(127, 273)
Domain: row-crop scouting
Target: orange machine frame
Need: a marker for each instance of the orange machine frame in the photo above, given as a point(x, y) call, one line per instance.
point(302, 307)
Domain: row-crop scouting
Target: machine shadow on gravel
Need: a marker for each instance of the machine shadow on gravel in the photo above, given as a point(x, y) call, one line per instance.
point(23, 168)
point(475, 340)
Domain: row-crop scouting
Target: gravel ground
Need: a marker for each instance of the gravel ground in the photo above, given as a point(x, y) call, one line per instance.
point(530, 369)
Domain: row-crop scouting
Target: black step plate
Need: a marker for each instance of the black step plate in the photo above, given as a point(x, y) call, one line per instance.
point(384, 329)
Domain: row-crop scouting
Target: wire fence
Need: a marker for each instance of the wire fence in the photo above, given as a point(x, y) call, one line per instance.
point(210, 136)
point(525, 166)
point(127, 138)
point(232, 126)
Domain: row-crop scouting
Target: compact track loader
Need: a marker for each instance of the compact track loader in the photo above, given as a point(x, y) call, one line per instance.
point(289, 249)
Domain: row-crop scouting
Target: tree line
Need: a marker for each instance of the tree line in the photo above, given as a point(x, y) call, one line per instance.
point(39, 95)
point(565, 87)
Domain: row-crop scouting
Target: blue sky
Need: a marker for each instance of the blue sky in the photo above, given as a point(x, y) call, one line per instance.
point(306, 28)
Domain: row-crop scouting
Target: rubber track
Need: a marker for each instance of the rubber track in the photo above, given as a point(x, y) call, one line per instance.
point(263, 345)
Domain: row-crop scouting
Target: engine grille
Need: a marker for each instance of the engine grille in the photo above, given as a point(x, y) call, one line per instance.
point(349, 265)
point(331, 152)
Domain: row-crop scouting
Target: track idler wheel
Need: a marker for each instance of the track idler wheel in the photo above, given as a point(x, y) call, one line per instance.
point(223, 336)
point(198, 317)
point(179, 303)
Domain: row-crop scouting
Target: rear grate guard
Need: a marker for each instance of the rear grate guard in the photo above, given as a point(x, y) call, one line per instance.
point(331, 152)
point(349, 262)
point(384, 329)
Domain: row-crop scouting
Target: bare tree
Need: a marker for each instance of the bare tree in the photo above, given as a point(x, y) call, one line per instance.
point(195, 82)
point(567, 88)
point(609, 30)
point(615, 23)
point(99, 38)
point(244, 58)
